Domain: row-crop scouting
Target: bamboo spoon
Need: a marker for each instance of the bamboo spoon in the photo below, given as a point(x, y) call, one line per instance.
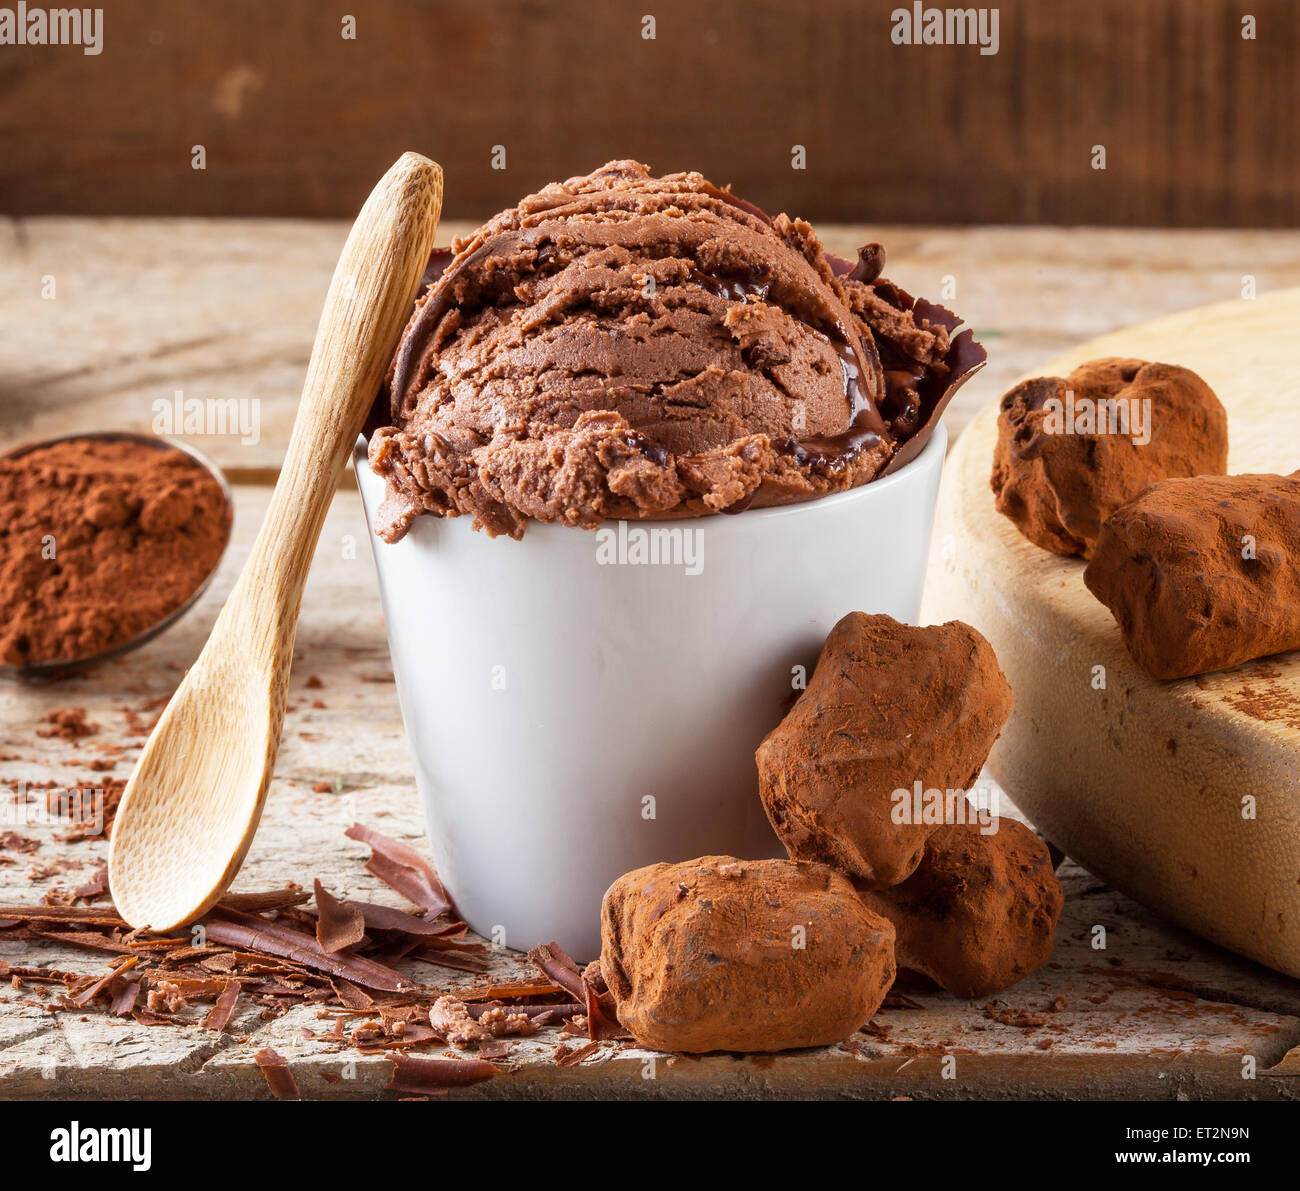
point(193, 803)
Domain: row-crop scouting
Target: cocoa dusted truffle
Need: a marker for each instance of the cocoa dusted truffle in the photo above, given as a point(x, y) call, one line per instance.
point(889, 706)
point(980, 912)
point(1203, 574)
point(743, 955)
point(1072, 449)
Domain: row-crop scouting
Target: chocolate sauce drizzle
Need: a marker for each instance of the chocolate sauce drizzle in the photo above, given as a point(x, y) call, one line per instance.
point(822, 453)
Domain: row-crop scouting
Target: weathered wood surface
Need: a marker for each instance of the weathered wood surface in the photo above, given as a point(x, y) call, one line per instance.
point(1157, 1014)
point(226, 309)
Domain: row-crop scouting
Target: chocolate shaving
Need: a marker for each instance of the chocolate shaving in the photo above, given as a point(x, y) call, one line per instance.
point(386, 918)
point(509, 992)
point(221, 1013)
point(564, 1057)
point(402, 868)
point(244, 930)
point(88, 994)
point(278, 1076)
point(81, 914)
point(431, 1076)
point(552, 960)
point(352, 996)
point(87, 939)
point(602, 1018)
point(124, 998)
point(339, 924)
point(258, 903)
point(97, 886)
point(456, 959)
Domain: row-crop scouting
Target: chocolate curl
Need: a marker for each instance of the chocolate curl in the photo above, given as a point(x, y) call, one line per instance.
point(385, 918)
point(433, 1076)
point(552, 960)
point(402, 868)
point(278, 1076)
point(224, 1009)
point(87, 915)
point(871, 260)
point(261, 903)
point(586, 986)
point(270, 938)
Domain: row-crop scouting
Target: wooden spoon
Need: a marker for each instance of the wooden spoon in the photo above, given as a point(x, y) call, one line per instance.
point(193, 803)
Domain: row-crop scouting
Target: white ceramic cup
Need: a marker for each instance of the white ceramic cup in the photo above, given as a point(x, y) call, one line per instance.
point(574, 714)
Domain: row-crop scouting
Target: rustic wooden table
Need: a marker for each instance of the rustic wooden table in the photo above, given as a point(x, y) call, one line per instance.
point(227, 309)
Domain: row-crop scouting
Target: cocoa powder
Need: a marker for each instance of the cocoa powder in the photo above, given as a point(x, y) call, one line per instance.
point(100, 540)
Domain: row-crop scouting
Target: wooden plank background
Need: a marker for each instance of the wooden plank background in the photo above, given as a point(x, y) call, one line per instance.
point(1200, 125)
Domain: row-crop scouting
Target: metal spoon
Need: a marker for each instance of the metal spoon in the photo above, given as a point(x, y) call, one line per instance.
point(193, 803)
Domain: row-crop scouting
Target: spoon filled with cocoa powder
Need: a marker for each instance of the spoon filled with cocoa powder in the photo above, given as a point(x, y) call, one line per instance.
point(106, 540)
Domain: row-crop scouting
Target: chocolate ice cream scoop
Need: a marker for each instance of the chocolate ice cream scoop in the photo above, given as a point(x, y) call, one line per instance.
point(745, 955)
point(626, 346)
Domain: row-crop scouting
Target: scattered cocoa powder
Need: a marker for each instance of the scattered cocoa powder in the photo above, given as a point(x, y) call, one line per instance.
point(99, 541)
point(68, 723)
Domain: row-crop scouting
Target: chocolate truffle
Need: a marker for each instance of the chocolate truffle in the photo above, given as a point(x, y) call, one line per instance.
point(743, 955)
point(1203, 574)
point(1071, 449)
point(981, 910)
point(889, 706)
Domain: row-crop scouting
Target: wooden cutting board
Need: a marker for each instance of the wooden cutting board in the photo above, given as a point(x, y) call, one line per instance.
point(1143, 782)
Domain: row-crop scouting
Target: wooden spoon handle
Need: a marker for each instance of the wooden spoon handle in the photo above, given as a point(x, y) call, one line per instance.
point(369, 301)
